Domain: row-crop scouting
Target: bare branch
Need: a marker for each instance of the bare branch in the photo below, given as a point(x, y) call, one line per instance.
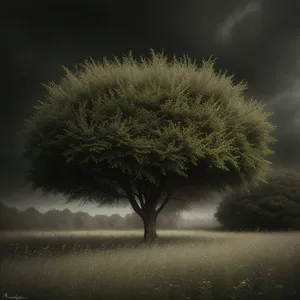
point(136, 194)
point(139, 194)
point(127, 187)
point(146, 189)
point(159, 190)
point(164, 203)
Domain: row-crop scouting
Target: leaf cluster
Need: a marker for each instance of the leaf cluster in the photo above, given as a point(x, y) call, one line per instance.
point(141, 121)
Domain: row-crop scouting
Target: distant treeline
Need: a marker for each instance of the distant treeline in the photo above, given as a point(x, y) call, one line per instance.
point(12, 218)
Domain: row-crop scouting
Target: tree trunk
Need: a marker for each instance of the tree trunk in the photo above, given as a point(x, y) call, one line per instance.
point(150, 234)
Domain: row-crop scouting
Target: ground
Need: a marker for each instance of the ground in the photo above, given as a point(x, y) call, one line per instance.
point(183, 265)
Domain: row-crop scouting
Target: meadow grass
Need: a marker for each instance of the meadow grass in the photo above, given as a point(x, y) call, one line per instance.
point(182, 265)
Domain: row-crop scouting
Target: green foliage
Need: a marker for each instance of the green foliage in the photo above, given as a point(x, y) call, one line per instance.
point(145, 122)
point(267, 206)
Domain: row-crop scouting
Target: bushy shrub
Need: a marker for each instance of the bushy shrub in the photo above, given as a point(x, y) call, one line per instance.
point(271, 206)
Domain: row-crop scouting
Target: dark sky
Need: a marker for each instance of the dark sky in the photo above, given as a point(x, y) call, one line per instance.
point(258, 41)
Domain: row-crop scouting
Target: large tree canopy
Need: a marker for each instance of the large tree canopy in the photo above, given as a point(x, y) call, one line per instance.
point(271, 206)
point(142, 130)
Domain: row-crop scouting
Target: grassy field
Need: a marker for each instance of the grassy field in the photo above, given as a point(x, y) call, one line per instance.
point(183, 265)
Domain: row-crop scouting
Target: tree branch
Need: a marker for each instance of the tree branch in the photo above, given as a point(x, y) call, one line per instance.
point(127, 187)
point(158, 191)
point(139, 194)
point(164, 203)
point(146, 189)
point(138, 197)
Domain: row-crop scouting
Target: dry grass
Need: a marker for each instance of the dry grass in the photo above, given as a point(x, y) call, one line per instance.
point(184, 265)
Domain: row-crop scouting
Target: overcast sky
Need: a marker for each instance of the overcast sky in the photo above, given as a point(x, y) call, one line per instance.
point(258, 41)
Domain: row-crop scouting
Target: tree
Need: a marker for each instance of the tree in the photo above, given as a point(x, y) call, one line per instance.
point(140, 131)
point(272, 206)
point(133, 221)
point(32, 219)
point(115, 221)
point(101, 222)
point(9, 217)
point(83, 220)
point(51, 220)
point(67, 219)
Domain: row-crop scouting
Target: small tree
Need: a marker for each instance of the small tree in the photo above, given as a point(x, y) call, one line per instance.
point(141, 131)
point(272, 206)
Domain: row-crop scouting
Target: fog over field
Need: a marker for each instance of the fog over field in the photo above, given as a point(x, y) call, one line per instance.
point(45, 203)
